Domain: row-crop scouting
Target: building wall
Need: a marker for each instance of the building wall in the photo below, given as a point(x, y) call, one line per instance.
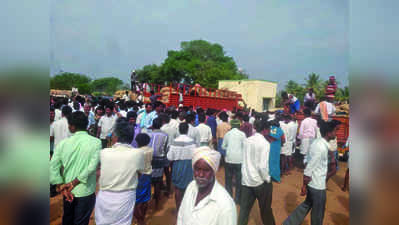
point(252, 91)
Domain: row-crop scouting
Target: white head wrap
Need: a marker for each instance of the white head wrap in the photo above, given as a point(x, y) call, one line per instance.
point(210, 156)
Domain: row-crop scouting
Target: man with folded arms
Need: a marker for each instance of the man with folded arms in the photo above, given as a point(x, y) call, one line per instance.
point(78, 156)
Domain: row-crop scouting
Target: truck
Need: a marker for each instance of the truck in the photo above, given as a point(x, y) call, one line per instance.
point(193, 95)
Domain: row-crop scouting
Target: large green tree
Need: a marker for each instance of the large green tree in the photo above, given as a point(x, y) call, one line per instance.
point(65, 81)
point(197, 61)
point(107, 85)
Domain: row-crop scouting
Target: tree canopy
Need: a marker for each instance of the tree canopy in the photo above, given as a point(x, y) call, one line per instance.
point(108, 85)
point(65, 81)
point(197, 61)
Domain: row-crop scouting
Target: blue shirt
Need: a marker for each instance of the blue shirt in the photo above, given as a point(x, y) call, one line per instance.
point(91, 119)
point(211, 122)
point(147, 118)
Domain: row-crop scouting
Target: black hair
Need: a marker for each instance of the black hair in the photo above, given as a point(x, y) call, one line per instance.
point(131, 114)
point(284, 95)
point(200, 110)
point(79, 120)
point(327, 127)
point(123, 131)
point(209, 112)
point(223, 116)
point(142, 139)
point(201, 117)
point(156, 123)
point(109, 106)
point(147, 104)
point(164, 118)
point(190, 118)
point(174, 114)
point(157, 104)
point(57, 104)
point(183, 128)
point(76, 105)
point(258, 125)
point(245, 117)
point(66, 111)
point(307, 112)
point(238, 115)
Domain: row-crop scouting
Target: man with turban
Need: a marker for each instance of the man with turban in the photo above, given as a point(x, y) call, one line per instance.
point(205, 201)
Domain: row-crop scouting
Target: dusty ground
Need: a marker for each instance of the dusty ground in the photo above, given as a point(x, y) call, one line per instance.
point(285, 199)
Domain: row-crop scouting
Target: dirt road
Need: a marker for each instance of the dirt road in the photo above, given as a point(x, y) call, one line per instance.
point(285, 199)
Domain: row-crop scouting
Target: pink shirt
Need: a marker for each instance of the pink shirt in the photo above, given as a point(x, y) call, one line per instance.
point(308, 128)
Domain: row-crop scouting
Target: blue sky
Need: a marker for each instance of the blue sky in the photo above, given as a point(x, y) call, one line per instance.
point(271, 40)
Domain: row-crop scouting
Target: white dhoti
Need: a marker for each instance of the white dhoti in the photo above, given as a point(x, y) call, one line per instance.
point(286, 149)
point(115, 208)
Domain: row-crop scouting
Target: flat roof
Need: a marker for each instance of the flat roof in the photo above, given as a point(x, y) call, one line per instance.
point(252, 80)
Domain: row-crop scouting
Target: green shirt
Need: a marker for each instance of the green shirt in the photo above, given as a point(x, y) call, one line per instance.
point(79, 157)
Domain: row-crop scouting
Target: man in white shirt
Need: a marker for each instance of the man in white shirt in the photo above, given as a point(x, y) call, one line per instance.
point(307, 133)
point(60, 129)
point(289, 128)
point(120, 166)
point(106, 124)
point(126, 96)
point(309, 99)
point(193, 131)
point(315, 178)
point(205, 201)
point(173, 119)
point(326, 109)
point(57, 111)
point(256, 182)
point(233, 142)
point(204, 131)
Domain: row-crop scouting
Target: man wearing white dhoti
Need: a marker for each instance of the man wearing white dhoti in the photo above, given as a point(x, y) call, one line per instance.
point(118, 181)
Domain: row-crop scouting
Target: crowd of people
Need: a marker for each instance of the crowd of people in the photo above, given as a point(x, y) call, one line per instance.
point(134, 152)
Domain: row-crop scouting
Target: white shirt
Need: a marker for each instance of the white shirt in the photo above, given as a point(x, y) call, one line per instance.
point(205, 133)
point(330, 108)
point(60, 130)
point(251, 120)
point(147, 151)
point(293, 99)
point(174, 123)
point(308, 128)
point(119, 167)
point(317, 165)
point(289, 130)
point(171, 131)
point(309, 97)
point(255, 163)
point(107, 125)
point(57, 114)
point(126, 97)
point(217, 208)
point(233, 142)
point(194, 134)
point(123, 113)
